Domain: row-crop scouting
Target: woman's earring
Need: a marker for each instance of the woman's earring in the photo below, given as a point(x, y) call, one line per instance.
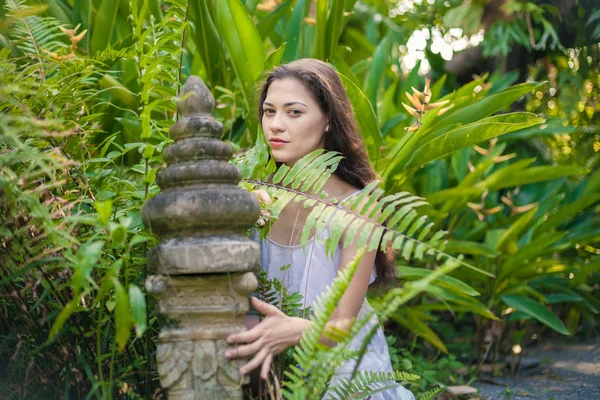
point(327, 128)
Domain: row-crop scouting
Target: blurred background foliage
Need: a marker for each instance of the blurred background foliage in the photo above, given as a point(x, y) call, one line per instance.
point(510, 171)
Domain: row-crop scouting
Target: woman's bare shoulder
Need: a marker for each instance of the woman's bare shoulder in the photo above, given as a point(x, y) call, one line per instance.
point(340, 189)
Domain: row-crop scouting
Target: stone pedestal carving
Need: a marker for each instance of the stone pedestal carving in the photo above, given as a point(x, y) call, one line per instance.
point(201, 271)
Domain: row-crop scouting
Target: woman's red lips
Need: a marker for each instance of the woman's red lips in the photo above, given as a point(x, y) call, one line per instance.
point(275, 142)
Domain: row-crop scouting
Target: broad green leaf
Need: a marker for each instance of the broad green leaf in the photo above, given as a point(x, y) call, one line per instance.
point(504, 174)
point(66, 312)
point(530, 251)
point(137, 302)
point(87, 256)
point(267, 24)
point(274, 59)
point(104, 210)
point(592, 184)
point(552, 126)
point(377, 71)
point(321, 13)
point(365, 117)
point(472, 304)
point(251, 5)
point(469, 135)
point(293, 32)
point(121, 315)
point(483, 108)
point(445, 281)
point(578, 239)
point(245, 48)
point(418, 327)
point(119, 91)
point(535, 310)
point(453, 193)
point(104, 25)
point(335, 21)
point(533, 175)
point(207, 39)
point(344, 69)
point(563, 298)
point(515, 229)
point(567, 212)
point(436, 88)
point(468, 247)
point(573, 317)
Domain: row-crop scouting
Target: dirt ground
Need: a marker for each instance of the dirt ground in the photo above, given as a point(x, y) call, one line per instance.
point(564, 371)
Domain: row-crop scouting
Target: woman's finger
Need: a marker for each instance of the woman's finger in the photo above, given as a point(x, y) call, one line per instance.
point(255, 362)
point(265, 308)
point(244, 351)
point(246, 336)
point(266, 367)
point(262, 194)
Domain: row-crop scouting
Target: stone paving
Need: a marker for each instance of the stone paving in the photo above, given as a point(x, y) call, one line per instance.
point(566, 371)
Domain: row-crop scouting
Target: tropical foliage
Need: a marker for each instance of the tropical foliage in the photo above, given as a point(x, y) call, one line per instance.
point(87, 95)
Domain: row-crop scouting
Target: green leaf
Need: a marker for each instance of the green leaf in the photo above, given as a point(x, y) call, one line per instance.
point(516, 228)
point(377, 71)
point(321, 36)
point(485, 107)
point(104, 25)
point(137, 301)
point(335, 21)
point(293, 32)
point(122, 315)
point(245, 48)
point(267, 24)
point(444, 280)
point(567, 212)
point(118, 234)
point(87, 256)
point(504, 174)
point(531, 175)
point(469, 135)
point(274, 59)
point(64, 315)
point(104, 209)
point(535, 310)
point(563, 298)
point(467, 247)
point(529, 252)
point(365, 117)
point(418, 327)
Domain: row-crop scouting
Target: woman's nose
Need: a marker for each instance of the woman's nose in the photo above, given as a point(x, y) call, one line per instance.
point(277, 122)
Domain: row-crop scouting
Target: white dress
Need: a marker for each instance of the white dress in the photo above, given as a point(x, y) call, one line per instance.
point(310, 272)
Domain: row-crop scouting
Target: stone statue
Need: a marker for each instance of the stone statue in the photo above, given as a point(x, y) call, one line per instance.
point(201, 272)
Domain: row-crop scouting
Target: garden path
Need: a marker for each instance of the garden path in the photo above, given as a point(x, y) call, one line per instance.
point(566, 371)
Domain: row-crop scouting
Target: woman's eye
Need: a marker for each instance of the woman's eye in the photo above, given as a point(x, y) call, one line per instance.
point(269, 111)
point(295, 112)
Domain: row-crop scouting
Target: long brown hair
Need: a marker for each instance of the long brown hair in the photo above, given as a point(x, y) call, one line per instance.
point(343, 135)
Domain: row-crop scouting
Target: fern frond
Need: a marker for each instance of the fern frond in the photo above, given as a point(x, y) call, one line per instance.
point(310, 343)
point(405, 223)
point(368, 383)
point(430, 394)
point(274, 292)
point(31, 33)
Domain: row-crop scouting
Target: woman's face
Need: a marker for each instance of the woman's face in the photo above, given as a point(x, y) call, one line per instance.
point(292, 121)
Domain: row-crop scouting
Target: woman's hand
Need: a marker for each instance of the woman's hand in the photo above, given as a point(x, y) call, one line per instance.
point(275, 333)
point(265, 200)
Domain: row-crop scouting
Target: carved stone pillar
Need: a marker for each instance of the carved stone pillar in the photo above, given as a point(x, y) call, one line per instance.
point(200, 272)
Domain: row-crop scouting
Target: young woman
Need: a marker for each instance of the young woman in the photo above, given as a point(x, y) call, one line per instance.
point(303, 106)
